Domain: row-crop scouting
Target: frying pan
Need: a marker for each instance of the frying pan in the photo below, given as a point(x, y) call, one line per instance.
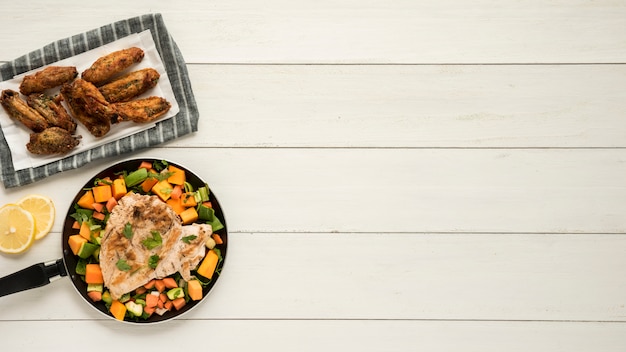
point(41, 274)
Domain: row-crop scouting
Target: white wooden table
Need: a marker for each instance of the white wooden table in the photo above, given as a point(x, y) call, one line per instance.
point(396, 175)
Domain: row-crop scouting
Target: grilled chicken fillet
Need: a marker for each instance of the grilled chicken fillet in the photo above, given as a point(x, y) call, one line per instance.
point(126, 255)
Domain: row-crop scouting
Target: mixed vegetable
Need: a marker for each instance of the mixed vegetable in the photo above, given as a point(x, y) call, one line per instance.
point(192, 203)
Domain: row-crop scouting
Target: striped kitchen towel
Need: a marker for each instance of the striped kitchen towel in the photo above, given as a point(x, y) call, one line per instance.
point(185, 122)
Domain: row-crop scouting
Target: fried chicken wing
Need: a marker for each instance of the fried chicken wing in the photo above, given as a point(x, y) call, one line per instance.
point(106, 67)
point(131, 85)
point(141, 110)
point(49, 77)
point(88, 106)
point(52, 110)
point(53, 140)
point(20, 111)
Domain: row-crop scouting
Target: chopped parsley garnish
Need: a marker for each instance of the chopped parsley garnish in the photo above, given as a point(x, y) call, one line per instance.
point(153, 242)
point(128, 231)
point(154, 261)
point(122, 265)
point(161, 175)
point(160, 165)
point(188, 239)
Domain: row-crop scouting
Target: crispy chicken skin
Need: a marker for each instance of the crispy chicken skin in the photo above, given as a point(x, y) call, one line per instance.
point(106, 67)
point(131, 85)
point(53, 140)
point(52, 110)
point(49, 77)
point(88, 106)
point(20, 111)
point(141, 110)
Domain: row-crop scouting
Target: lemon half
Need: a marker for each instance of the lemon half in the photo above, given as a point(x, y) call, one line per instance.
point(17, 229)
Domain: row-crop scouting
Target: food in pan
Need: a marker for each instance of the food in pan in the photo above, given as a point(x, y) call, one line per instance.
point(52, 140)
point(20, 111)
point(52, 110)
point(147, 240)
point(142, 227)
point(88, 106)
point(130, 86)
point(106, 67)
point(49, 77)
point(141, 110)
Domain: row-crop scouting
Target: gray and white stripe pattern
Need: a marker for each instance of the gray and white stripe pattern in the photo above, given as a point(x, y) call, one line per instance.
point(185, 122)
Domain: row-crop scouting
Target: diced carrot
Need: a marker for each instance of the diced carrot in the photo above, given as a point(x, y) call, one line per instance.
point(188, 200)
point(76, 225)
point(147, 185)
point(86, 200)
point(111, 203)
point(168, 305)
point(160, 304)
point(149, 310)
point(176, 192)
point(217, 238)
point(95, 296)
point(151, 300)
point(93, 274)
point(75, 241)
point(98, 215)
point(179, 303)
point(149, 285)
point(189, 215)
point(85, 231)
point(104, 181)
point(207, 204)
point(163, 298)
point(139, 290)
point(159, 285)
point(208, 265)
point(169, 282)
point(176, 206)
point(118, 310)
point(145, 165)
point(178, 176)
point(99, 207)
point(101, 193)
point(119, 188)
point(194, 288)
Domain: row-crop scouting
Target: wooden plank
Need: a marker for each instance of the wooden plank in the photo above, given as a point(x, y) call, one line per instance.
point(477, 106)
point(266, 335)
point(359, 190)
point(349, 31)
point(410, 106)
point(384, 276)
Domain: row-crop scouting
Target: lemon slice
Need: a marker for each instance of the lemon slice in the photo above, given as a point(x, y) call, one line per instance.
point(17, 229)
point(42, 210)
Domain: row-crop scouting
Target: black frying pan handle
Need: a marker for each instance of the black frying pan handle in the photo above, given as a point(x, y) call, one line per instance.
point(34, 276)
